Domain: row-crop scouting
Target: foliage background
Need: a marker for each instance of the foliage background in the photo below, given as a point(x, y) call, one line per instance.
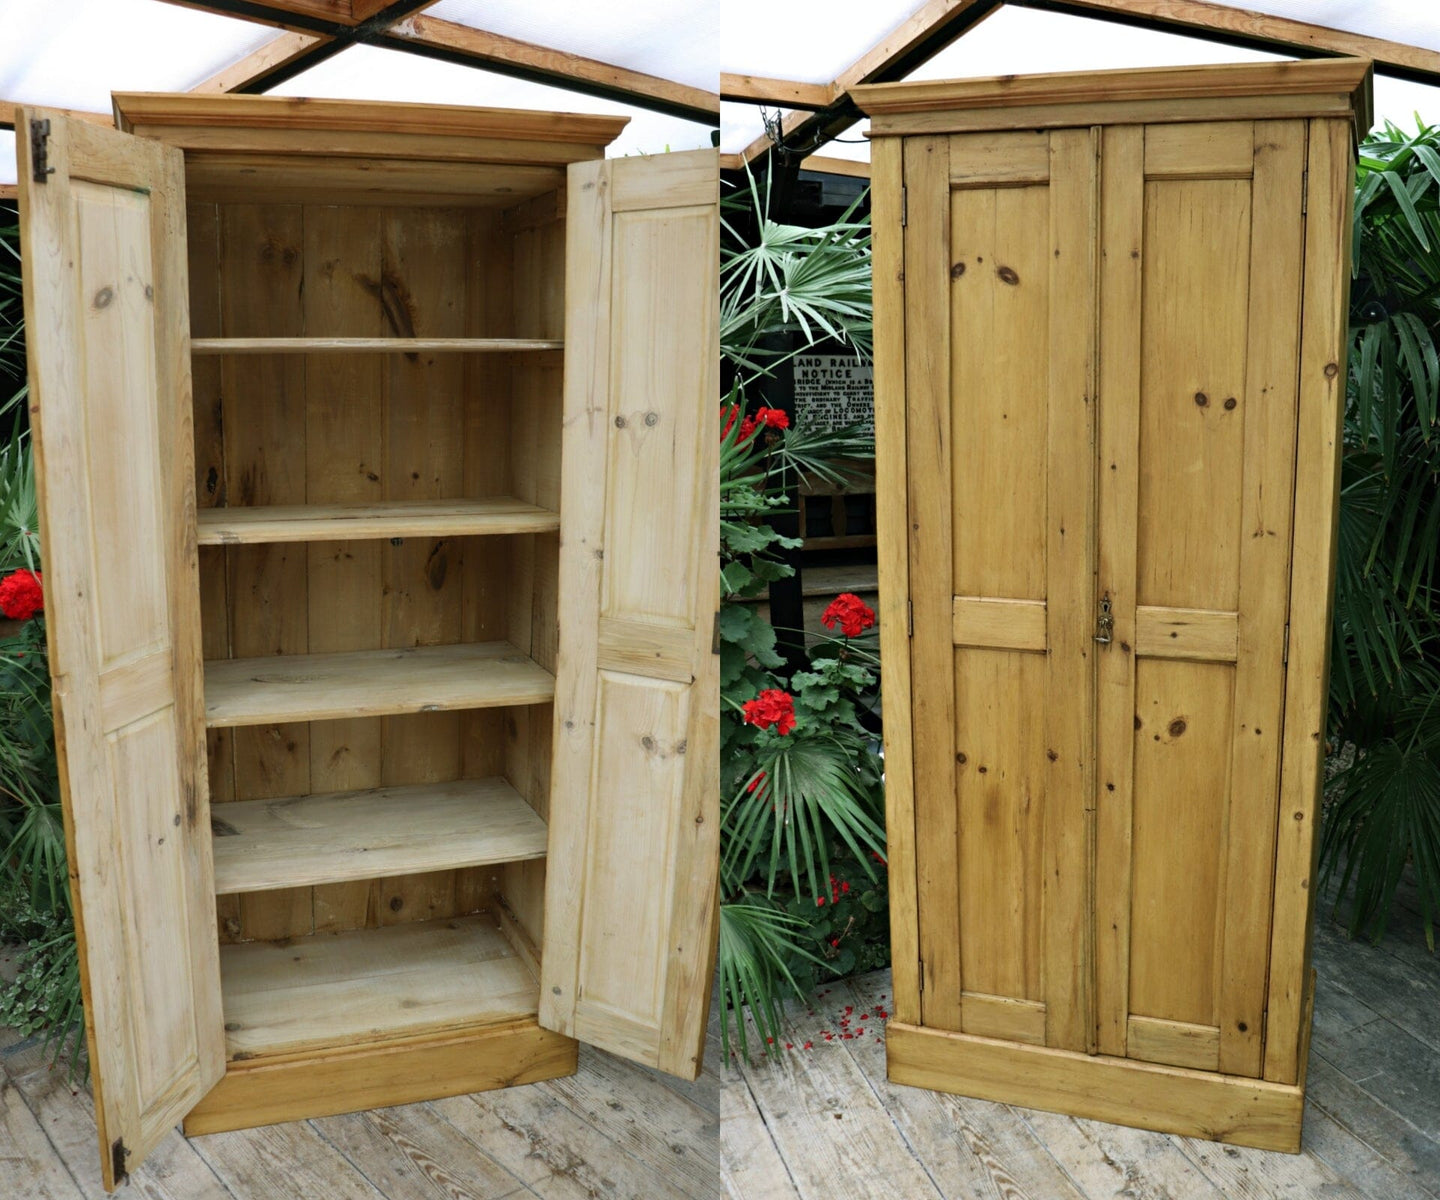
point(802, 840)
point(34, 896)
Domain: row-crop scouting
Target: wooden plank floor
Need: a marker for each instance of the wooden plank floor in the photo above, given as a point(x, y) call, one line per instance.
point(824, 1124)
point(614, 1131)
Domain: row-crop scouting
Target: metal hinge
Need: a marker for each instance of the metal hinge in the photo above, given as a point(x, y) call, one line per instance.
point(118, 1155)
point(1285, 651)
point(922, 975)
point(1305, 192)
point(715, 634)
point(904, 206)
point(40, 149)
point(909, 618)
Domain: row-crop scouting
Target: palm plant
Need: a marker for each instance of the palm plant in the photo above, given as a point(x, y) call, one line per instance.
point(795, 802)
point(12, 315)
point(1384, 810)
point(34, 897)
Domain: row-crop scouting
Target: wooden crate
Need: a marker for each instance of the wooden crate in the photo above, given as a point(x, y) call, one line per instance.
point(378, 496)
point(1110, 315)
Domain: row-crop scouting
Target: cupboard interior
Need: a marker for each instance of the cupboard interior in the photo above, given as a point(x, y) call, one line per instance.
point(378, 571)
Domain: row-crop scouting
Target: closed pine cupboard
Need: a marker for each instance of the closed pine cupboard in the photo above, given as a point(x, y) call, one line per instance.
point(379, 515)
point(1110, 343)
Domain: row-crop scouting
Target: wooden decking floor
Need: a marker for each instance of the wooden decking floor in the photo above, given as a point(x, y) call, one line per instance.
point(824, 1123)
point(611, 1132)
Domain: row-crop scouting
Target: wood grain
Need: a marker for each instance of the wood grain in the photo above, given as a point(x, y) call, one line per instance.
point(105, 291)
point(630, 905)
point(329, 838)
point(318, 687)
point(332, 990)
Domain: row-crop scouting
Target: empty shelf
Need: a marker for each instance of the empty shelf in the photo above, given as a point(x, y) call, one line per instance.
point(371, 683)
point(326, 345)
point(411, 518)
point(337, 989)
point(303, 840)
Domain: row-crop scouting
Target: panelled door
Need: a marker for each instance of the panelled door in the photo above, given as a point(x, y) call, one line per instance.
point(1202, 266)
point(1101, 356)
point(103, 222)
point(632, 876)
point(999, 288)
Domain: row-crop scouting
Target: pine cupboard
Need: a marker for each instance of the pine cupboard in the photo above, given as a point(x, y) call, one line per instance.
point(1110, 315)
point(379, 513)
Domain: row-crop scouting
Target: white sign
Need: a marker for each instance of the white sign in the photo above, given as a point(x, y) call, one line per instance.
point(833, 391)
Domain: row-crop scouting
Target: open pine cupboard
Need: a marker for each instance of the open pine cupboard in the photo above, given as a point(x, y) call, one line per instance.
point(1110, 318)
point(378, 505)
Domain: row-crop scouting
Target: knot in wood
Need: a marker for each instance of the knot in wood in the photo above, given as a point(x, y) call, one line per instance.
point(1007, 275)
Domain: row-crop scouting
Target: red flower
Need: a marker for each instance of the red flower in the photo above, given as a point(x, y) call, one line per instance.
point(729, 412)
point(21, 595)
point(772, 707)
point(747, 429)
point(775, 418)
point(850, 612)
point(757, 782)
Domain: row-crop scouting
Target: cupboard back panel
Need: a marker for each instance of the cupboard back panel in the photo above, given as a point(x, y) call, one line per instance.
point(367, 428)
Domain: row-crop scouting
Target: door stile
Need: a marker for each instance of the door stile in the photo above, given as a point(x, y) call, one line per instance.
point(1271, 389)
point(1122, 198)
point(1070, 595)
point(927, 412)
point(892, 520)
point(1323, 334)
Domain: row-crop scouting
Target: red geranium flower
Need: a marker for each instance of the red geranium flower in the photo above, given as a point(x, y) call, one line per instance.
point(729, 412)
point(747, 429)
point(776, 418)
point(850, 612)
point(21, 595)
point(772, 707)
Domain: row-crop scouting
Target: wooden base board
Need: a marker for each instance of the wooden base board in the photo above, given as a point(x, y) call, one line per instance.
point(1221, 1108)
point(266, 1090)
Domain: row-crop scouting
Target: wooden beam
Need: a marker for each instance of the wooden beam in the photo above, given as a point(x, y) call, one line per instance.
point(8, 191)
point(8, 107)
point(754, 89)
point(297, 16)
point(1254, 30)
point(836, 166)
point(462, 44)
point(918, 38)
point(258, 68)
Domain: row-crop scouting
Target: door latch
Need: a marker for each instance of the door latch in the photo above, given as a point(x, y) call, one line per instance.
point(1104, 622)
point(40, 149)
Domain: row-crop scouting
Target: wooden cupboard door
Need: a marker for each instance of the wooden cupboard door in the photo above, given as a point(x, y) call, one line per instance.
point(108, 332)
point(632, 872)
point(1200, 304)
point(999, 286)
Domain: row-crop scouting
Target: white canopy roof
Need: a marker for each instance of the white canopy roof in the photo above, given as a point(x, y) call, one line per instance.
point(815, 43)
point(74, 53)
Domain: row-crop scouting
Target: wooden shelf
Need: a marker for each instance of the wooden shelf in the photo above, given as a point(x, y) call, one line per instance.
point(415, 518)
point(324, 345)
point(371, 683)
point(340, 989)
point(304, 840)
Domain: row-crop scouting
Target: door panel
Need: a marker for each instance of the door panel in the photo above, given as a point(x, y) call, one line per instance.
point(998, 253)
point(1194, 560)
point(630, 906)
point(105, 300)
